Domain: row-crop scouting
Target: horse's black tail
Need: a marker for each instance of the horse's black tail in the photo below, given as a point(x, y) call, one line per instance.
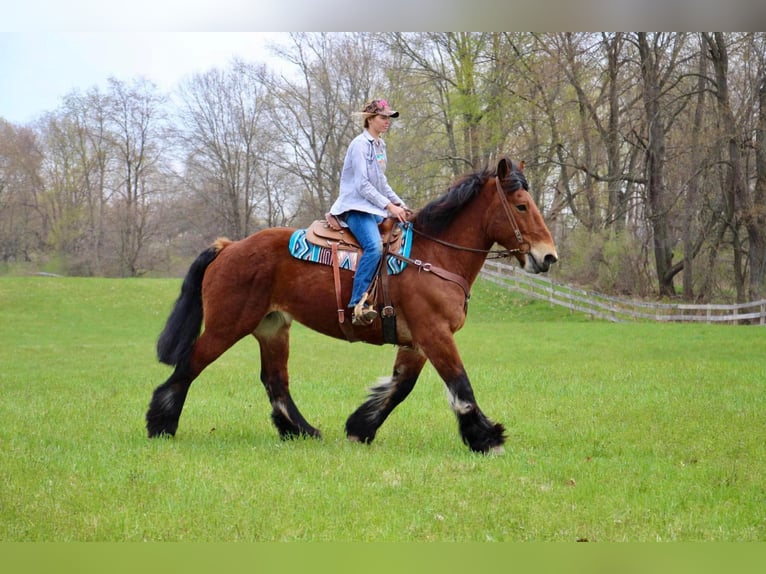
point(183, 325)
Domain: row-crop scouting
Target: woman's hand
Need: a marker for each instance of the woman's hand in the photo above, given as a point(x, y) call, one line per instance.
point(397, 212)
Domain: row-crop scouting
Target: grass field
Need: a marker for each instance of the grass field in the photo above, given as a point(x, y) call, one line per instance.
point(635, 432)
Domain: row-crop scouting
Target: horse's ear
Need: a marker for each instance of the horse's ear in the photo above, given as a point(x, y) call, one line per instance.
point(504, 166)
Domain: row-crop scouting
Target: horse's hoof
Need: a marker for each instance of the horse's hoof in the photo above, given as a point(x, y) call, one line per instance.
point(353, 438)
point(496, 450)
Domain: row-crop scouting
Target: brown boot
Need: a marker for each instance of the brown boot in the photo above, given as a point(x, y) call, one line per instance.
point(364, 314)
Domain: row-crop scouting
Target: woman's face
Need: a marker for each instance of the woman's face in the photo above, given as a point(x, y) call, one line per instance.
point(379, 124)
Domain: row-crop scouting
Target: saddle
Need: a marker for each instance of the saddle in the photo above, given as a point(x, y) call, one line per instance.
point(325, 232)
point(327, 242)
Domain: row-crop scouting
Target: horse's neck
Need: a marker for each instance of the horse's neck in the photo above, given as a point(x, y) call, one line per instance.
point(462, 248)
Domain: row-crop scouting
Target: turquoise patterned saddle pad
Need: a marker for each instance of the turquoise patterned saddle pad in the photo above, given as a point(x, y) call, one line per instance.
point(308, 246)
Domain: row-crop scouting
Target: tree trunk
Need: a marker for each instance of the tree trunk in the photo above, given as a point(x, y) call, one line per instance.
point(756, 219)
point(736, 187)
point(694, 182)
point(655, 166)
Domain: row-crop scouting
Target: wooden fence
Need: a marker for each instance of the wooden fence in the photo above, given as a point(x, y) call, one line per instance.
point(615, 309)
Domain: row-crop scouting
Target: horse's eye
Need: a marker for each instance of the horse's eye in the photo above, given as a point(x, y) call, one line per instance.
point(521, 207)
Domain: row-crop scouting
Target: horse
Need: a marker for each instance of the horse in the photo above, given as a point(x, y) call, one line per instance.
point(254, 287)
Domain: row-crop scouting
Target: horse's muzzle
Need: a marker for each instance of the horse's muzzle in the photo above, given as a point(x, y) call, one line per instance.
point(539, 264)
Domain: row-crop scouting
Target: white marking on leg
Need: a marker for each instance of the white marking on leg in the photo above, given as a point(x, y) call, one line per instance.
point(460, 407)
point(282, 408)
point(380, 394)
point(272, 324)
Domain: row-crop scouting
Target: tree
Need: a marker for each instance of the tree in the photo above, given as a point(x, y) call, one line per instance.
point(599, 113)
point(331, 77)
point(465, 85)
point(22, 224)
point(756, 220)
point(745, 209)
point(695, 187)
point(225, 138)
point(658, 57)
point(76, 163)
point(645, 151)
point(136, 120)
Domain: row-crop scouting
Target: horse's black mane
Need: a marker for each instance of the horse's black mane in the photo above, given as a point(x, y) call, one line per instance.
point(436, 216)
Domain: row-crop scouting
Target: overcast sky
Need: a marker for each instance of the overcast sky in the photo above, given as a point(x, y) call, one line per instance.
point(38, 68)
point(49, 48)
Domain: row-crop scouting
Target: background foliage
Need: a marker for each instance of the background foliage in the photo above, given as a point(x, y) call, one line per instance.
point(645, 151)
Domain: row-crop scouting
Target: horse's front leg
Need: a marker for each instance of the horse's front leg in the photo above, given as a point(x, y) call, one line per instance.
point(364, 423)
point(476, 430)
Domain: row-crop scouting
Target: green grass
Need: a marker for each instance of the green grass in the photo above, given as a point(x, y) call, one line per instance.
point(633, 432)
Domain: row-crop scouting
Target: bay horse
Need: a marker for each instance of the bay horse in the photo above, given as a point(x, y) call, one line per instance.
point(255, 287)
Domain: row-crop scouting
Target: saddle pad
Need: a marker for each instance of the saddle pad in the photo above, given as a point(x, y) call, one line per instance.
point(302, 248)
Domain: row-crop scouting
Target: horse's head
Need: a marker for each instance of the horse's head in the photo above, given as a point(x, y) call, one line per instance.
point(515, 221)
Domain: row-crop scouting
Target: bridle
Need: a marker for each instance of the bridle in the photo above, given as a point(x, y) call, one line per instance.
point(511, 218)
point(491, 253)
point(496, 254)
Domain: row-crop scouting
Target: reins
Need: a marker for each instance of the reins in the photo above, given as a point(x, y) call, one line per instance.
point(491, 253)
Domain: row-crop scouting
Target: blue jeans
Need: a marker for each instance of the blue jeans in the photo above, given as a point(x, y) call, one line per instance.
point(364, 226)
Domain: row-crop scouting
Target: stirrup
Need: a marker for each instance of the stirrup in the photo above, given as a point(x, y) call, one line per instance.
point(363, 314)
point(365, 319)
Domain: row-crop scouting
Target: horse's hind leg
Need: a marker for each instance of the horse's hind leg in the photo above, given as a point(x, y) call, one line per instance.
point(168, 399)
point(273, 336)
point(364, 423)
point(168, 402)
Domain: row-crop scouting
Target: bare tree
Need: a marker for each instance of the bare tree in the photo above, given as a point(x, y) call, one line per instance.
point(330, 77)
point(596, 62)
point(464, 80)
point(697, 159)
point(224, 138)
point(647, 148)
point(94, 150)
point(23, 228)
point(658, 58)
point(135, 117)
point(75, 169)
point(745, 209)
point(756, 221)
